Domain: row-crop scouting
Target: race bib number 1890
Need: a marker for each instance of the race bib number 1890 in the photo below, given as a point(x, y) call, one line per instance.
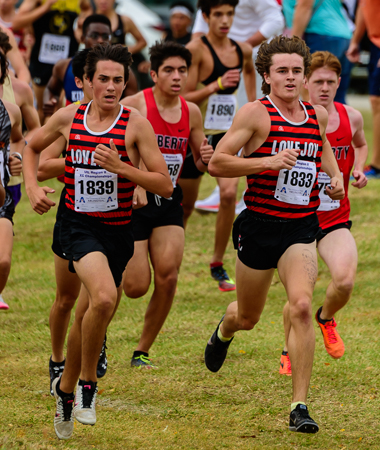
point(220, 112)
point(95, 190)
point(294, 186)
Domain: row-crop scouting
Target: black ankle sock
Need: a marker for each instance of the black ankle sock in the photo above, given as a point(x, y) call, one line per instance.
point(93, 384)
point(323, 322)
point(57, 363)
point(61, 393)
point(138, 353)
point(375, 169)
point(285, 353)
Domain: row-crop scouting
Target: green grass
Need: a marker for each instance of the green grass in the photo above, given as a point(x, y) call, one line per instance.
point(183, 405)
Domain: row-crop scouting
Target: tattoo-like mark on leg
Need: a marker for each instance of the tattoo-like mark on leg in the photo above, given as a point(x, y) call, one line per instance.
point(310, 265)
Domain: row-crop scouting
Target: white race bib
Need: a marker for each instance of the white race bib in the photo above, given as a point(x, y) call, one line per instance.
point(174, 163)
point(53, 48)
point(220, 112)
point(95, 190)
point(294, 186)
point(326, 203)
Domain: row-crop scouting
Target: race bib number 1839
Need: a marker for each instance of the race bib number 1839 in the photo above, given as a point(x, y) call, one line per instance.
point(95, 190)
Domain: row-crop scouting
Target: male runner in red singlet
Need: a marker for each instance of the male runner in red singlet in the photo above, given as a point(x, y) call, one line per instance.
point(105, 143)
point(337, 246)
point(213, 83)
point(285, 147)
point(158, 226)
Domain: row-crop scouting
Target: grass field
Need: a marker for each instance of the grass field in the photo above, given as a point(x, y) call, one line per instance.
point(183, 405)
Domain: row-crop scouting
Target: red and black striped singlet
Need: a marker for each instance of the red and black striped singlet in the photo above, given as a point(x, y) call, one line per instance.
point(260, 195)
point(80, 154)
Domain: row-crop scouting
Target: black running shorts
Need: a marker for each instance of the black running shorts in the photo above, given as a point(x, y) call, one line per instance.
point(80, 235)
point(347, 225)
point(159, 212)
point(261, 240)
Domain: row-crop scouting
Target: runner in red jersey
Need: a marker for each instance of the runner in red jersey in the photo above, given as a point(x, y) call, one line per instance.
point(158, 226)
point(95, 233)
point(337, 246)
point(284, 144)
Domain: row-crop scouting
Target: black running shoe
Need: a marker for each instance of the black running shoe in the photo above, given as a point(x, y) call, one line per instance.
point(55, 371)
point(102, 363)
point(301, 422)
point(216, 351)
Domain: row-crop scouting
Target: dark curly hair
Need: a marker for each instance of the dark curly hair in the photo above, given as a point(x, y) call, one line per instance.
point(106, 52)
point(280, 44)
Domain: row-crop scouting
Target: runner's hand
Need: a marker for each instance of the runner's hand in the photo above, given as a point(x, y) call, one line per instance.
point(231, 78)
point(353, 53)
point(336, 189)
point(15, 166)
point(39, 200)
point(139, 198)
point(50, 107)
point(286, 159)
point(206, 151)
point(361, 179)
point(108, 158)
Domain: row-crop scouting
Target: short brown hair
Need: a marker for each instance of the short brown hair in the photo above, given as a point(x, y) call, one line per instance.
point(106, 52)
point(324, 59)
point(280, 44)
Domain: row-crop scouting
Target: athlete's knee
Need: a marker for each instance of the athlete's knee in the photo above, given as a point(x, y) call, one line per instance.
point(228, 196)
point(166, 280)
point(63, 304)
point(135, 288)
point(5, 264)
point(104, 302)
point(300, 310)
point(248, 322)
point(344, 285)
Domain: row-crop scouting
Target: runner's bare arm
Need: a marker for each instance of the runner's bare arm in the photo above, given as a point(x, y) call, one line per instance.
point(360, 146)
point(248, 122)
point(329, 164)
point(29, 12)
point(249, 72)
point(139, 135)
point(58, 125)
point(130, 27)
point(202, 151)
point(24, 98)
point(191, 93)
point(51, 165)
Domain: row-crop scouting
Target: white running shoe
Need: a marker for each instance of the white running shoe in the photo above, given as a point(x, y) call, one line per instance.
point(3, 305)
point(240, 205)
point(211, 203)
point(85, 396)
point(64, 418)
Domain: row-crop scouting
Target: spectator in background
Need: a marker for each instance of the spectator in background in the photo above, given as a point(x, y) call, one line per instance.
point(181, 19)
point(368, 17)
point(324, 27)
point(52, 22)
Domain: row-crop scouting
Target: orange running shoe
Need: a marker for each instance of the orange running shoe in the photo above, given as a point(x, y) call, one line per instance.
point(333, 342)
point(285, 366)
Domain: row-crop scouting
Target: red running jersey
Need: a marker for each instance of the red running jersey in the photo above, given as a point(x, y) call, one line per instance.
point(332, 213)
point(90, 189)
point(172, 138)
point(288, 194)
